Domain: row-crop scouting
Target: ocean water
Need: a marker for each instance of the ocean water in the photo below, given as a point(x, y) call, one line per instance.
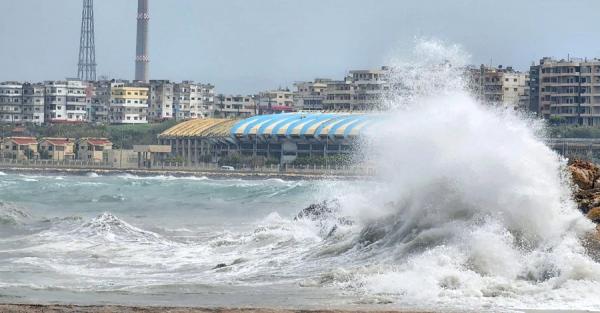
point(470, 211)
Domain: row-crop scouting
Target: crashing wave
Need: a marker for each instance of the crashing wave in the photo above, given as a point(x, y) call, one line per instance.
point(110, 228)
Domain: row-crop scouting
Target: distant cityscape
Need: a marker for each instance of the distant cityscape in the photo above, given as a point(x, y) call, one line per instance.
point(561, 91)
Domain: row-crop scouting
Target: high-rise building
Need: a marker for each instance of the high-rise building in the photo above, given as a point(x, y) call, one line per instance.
point(569, 91)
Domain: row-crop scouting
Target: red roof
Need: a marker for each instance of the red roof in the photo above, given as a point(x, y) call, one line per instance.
point(23, 140)
point(58, 141)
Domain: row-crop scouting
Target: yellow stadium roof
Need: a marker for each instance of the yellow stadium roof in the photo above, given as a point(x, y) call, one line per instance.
point(207, 127)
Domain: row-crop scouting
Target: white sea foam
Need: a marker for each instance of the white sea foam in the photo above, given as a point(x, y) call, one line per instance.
point(472, 207)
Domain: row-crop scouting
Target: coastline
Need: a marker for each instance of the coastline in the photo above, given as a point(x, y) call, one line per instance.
point(53, 308)
point(214, 174)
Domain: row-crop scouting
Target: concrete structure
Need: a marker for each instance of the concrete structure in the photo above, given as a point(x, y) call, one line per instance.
point(57, 149)
point(19, 148)
point(339, 95)
point(11, 102)
point(141, 47)
point(93, 149)
point(569, 91)
point(282, 137)
point(128, 104)
point(160, 101)
point(500, 86)
point(87, 48)
point(121, 158)
point(192, 100)
point(100, 103)
point(230, 106)
point(309, 96)
point(275, 101)
point(33, 103)
point(370, 88)
point(148, 155)
point(66, 101)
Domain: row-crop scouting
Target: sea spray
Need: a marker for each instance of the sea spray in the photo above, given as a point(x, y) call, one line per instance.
point(472, 207)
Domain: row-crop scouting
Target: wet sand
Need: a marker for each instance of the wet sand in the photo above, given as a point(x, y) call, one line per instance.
point(32, 308)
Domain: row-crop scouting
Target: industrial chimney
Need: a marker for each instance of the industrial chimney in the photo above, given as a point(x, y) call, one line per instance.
point(141, 49)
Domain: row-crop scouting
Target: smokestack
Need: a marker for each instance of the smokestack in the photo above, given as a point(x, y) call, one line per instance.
point(141, 47)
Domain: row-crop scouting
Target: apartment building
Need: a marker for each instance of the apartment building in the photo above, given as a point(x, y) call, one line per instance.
point(100, 104)
point(128, 103)
point(160, 101)
point(234, 106)
point(193, 100)
point(569, 91)
point(11, 102)
point(33, 103)
point(66, 101)
point(500, 86)
point(370, 88)
point(275, 101)
point(339, 95)
point(309, 96)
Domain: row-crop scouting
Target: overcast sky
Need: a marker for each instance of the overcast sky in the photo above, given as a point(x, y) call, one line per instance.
point(247, 45)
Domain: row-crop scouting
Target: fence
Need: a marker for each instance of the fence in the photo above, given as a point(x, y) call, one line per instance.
point(336, 170)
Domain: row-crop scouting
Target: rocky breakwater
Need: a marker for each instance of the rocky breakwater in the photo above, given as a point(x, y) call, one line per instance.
point(586, 177)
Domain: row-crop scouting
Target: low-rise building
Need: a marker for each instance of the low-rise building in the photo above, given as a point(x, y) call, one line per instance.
point(67, 101)
point(309, 96)
point(234, 106)
point(93, 149)
point(279, 100)
point(500, 86)
point(193, 100)
point(57, 149)
point(33, 103)
point(19, 148)
point(128, 104)
point(568, 91)
point(160, 101)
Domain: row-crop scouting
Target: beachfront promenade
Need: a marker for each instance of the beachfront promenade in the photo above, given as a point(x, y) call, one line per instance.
point(204, 169)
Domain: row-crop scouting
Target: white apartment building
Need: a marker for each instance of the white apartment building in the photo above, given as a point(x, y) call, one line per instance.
point(11, 102)
point(66, 101)
point(33, 103)
point(193, 100)
point(160, 101)
point(234, 106)
point(309, 96)
point(339, 95)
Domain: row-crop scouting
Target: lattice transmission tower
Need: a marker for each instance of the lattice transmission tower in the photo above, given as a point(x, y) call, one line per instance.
point(87, 48)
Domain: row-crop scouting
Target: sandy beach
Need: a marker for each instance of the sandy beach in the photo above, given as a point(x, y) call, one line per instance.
point(31, 308)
